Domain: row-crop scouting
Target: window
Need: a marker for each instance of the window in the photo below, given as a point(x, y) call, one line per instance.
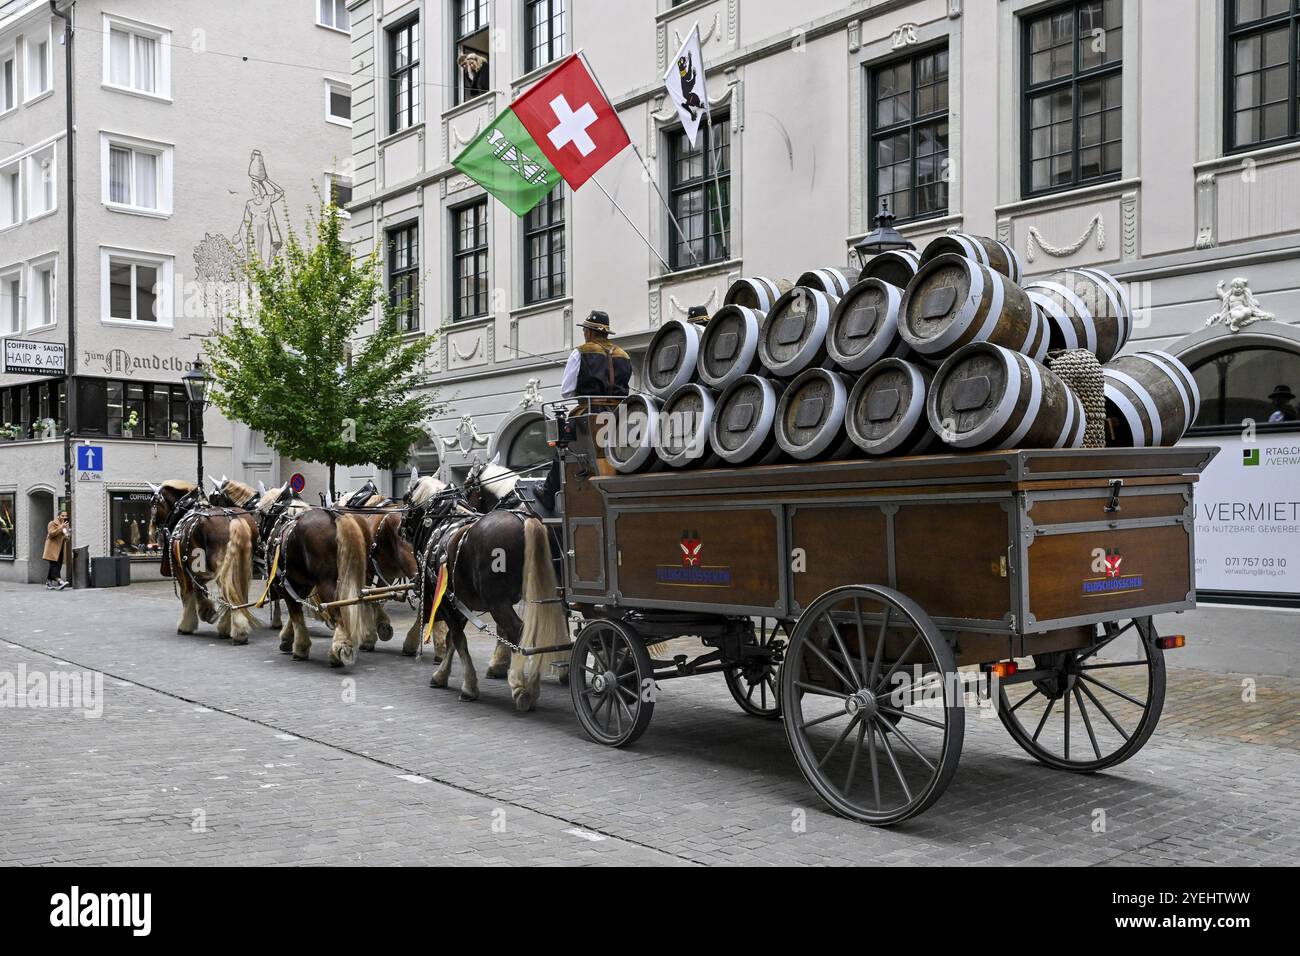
point(471, 49)
point(424, 458)
point(11, 194)
point(36, 56)
point(8, 83)
point(8, 524)
point(1262, 66)
point(469, 255)
point(137, 175)
point(129, 528)
point(338, 102)
point(404, 75)
point(134, 287)
point(544, 21)
point(11, 302)
point(1072, 110)
point(1252, 382)
point(404, 275)
point(42, 191)
point(528, 447)
point(544, 249)
point(41, 301)
point(700, 182)
point(340, 190)
point(332, 14)
point(137, 58)
point(909, 136)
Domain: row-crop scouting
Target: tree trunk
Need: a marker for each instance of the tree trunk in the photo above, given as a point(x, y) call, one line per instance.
point(333, 494)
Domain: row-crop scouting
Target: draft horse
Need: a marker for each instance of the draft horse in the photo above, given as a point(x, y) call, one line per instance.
point(389, 556)
point(202, 543)
point(491, 562)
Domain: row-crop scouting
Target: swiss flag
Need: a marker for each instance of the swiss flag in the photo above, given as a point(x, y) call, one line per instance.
point(571, 121)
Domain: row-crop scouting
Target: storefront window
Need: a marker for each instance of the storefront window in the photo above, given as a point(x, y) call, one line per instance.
point(161, 411)
point(1261, 384)
point(8, 525)
point(129, 524)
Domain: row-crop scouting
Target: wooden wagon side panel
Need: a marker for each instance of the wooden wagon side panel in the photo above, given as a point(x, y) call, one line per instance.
point(726, 557)
point(951, 557)
point(831, 546)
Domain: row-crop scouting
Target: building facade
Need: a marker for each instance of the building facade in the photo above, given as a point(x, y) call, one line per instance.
point(1159, 140)
point(200, 133)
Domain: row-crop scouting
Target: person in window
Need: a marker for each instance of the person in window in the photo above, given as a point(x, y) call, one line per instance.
point(474, 67)
point(56, 541)
point(1284, 401)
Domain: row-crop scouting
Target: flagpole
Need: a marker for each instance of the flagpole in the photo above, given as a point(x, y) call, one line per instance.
point(615, 204)
point(717, 185)
point(654, 180)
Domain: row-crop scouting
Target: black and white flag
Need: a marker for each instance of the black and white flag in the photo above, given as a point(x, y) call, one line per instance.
point(685, 84)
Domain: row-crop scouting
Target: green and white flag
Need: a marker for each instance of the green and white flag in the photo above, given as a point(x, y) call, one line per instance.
point(505, 161)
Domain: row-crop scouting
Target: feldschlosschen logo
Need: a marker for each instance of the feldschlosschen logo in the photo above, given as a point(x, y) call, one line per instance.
point(691, 573)
point(1109, 563)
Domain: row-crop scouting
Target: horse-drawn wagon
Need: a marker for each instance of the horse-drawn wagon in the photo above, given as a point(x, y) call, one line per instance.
point(866, 602)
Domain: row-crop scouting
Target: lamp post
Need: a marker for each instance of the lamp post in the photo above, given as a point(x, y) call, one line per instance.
point(196, 390)
point(883, 238)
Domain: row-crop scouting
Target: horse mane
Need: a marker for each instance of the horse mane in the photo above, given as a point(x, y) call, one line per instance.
point(238, 492)
point(273, 495)
point(498, 479)
point(176, 484)
point(425, 489)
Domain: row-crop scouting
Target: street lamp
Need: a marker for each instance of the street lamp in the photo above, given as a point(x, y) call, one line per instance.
point(196, 390)
point(883, 238)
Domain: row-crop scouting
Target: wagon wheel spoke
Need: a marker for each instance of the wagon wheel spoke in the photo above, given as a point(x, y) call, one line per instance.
point(1046, 713)
point(839, 740)
point(862, 641)
point(887, 727)
point(812, 646)
point(1087, 723)
point(908, 715)
point(1118, 693)
point(926, 682)
point(1024, 700)
point(1105, 713)
point(880, 649)
point(857, 751)
point(848, 661)
point(889, 752)
point(820, 691)
point(875, 768)
point(1109, 638)
point(902, 657)
point(1065, 703)
point(822, 719)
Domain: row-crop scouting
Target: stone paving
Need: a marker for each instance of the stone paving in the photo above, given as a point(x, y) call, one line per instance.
point(208, 753)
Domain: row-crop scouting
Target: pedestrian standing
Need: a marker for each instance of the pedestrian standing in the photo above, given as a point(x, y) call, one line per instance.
point(56, 541)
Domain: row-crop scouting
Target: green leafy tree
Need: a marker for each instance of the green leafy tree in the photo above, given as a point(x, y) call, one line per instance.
point(292, 366)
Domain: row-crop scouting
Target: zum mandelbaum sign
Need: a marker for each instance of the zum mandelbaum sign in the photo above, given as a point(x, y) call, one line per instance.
point(122, 362)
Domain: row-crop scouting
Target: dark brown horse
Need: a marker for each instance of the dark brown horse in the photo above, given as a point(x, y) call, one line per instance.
point(320, 550)
point(202, 544)
point(491, 563)
point(390, 557)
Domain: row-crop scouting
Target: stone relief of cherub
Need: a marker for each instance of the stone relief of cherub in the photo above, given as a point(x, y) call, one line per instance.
point(1239, 308)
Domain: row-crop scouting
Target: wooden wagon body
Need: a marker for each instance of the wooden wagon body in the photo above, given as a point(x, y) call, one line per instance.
point(987, 558)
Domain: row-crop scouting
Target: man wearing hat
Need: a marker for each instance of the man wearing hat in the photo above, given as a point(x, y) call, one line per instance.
point(1282, 397)
point(597, 368)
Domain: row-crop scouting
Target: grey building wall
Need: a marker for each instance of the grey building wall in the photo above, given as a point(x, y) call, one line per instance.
point(245, 76)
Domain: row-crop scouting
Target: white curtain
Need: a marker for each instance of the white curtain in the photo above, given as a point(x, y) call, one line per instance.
point(119, 174)
point(119, 58)
point(146, 180)
point(146, 50)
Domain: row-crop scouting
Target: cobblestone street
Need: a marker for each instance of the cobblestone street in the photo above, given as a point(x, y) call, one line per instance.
point(207, 753)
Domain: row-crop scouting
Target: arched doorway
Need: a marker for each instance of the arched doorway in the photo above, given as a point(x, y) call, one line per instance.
point(40, 512)
point(520, 442)
point(1247, 502)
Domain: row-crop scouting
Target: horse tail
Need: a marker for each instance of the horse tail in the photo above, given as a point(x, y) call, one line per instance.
point(544, 622)
point(233, 577)
point(352, 548)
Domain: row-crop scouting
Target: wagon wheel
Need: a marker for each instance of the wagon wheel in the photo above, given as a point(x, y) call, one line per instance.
point(611, 682)
point(858, 654)
point(754, 683)
point(1093, 708)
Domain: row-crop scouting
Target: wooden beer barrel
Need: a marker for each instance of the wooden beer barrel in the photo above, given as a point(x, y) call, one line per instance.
point(630, 439)
point(682, 438)
point(743, 431)
point(671, 358)
point(1085, 309)
point(756, 292)
point(810, 416)
point(954, 301)
point(864, 326)
point(988, 397)
point(794, 335)
point(729, 346)
point(831, 280)
point(993, 253)
point(897, 266)
point(1151, 400)
point(886, 414)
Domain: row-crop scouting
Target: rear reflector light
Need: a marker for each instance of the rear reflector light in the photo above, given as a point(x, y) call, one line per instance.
point(1003, 668)
point(1171, 642)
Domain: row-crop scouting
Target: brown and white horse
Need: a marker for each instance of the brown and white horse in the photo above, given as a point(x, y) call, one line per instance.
point(492, 562)
point(203, 544)
point(390, 557)
point(320, 550)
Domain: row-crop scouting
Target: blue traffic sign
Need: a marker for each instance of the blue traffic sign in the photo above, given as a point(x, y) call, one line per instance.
point(90, 458)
